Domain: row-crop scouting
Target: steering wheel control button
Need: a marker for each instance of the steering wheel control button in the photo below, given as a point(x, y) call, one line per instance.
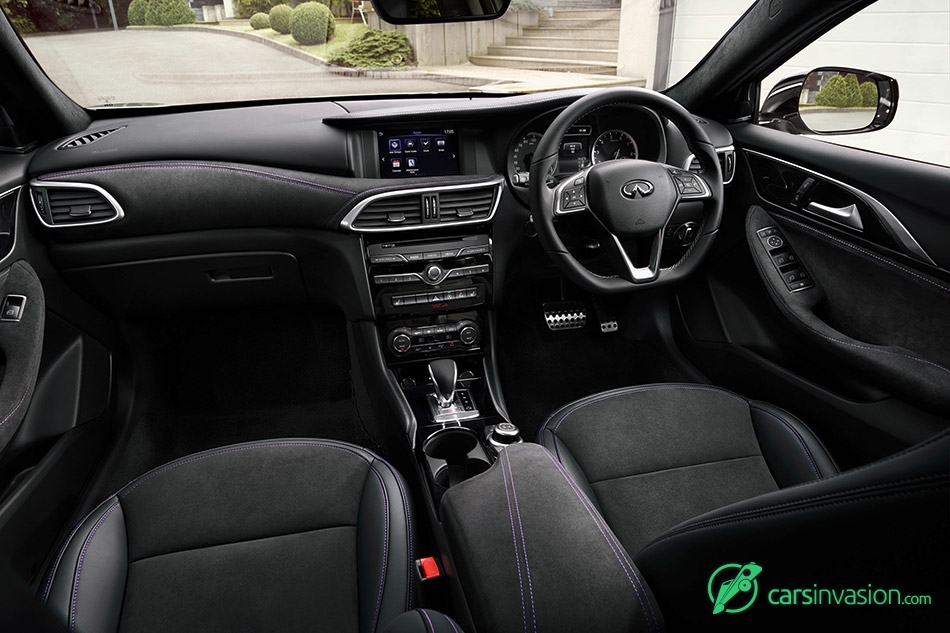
point(12, 308)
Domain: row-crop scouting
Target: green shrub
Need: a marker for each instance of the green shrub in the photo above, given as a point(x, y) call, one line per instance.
point(247, 8)
point(168, 13)
point(524, 5)
point(840, 92)
point(137, 9)
point(377, 49)
point(869, 95)
point(260, 21)
point(424, 9)
point(310, 23)
point(280, 18)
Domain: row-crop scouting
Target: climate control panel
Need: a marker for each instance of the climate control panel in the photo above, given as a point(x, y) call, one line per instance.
point(455, 336)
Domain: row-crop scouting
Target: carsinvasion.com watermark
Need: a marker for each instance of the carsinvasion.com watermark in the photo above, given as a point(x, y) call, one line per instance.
point(733, 588)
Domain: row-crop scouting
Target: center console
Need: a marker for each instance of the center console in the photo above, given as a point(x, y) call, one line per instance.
point(432, 297)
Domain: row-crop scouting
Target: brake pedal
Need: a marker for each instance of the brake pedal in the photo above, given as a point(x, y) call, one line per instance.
point(565, 315)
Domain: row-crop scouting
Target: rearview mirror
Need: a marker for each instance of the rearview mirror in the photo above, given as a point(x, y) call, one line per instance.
point(422, 11)
point(831, 101)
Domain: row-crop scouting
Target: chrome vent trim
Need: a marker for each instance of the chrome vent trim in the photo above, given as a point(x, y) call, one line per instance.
point(89, 138)
point(438, 206)
point(57, 200)
point(727, 162)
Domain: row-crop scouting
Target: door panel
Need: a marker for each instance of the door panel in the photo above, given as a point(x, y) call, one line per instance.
point(860, 350)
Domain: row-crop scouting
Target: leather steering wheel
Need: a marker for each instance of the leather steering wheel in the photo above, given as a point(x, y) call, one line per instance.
point(632, 199)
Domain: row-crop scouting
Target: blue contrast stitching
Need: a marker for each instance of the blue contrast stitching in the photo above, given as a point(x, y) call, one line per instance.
point(429, 625)
point(524, 545)
point(514, 540)
point(186, 165)
point(797, 436)
point(585, 502)
point(382, 576)
point(82, 557)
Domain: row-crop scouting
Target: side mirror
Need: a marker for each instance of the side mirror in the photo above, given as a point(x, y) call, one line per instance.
point(831, 101)
point(423, 11)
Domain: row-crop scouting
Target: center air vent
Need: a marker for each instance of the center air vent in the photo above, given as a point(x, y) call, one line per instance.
point(90, 137)
point(61, 204)
point(727, 161)
point(425, 207)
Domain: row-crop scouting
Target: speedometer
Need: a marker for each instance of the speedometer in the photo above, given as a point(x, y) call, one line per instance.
point(611, 145)
point(519, 162)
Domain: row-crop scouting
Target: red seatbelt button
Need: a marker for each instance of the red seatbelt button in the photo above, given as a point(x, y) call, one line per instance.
point(428, 568)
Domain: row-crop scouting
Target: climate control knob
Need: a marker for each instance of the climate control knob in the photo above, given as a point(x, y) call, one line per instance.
point(468, 332)
point(400, 340)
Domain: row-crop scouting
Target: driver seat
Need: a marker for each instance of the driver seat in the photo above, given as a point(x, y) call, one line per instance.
point(695, 480)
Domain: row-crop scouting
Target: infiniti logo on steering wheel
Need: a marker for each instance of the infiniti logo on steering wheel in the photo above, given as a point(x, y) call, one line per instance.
point(637, 189)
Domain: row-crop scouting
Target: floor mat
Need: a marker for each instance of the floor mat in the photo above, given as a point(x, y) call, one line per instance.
point(224, 378)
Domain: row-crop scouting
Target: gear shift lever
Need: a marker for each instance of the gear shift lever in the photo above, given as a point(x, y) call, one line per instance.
point(444, 375)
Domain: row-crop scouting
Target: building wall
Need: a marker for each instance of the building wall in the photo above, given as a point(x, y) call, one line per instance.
point(908, 41)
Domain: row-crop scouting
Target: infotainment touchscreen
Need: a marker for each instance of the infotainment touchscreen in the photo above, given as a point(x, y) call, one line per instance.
point(412, 153)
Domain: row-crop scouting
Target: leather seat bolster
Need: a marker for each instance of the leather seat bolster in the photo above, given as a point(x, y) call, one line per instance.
point(423, 621)
point(86, 588)
point(884, 523)
point(792, 452)
point(384, 548)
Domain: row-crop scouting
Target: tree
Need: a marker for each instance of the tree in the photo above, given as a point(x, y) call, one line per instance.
point(168, 13)
point(869, 94)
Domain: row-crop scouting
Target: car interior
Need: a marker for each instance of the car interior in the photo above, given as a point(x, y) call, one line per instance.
point(447, 363)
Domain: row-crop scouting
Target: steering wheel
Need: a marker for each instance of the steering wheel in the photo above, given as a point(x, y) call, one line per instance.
point(632, 199)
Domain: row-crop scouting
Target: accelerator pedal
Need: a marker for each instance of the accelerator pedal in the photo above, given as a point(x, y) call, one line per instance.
point(565, 315)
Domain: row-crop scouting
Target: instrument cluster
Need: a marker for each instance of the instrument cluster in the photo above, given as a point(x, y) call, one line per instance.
point(615, 133)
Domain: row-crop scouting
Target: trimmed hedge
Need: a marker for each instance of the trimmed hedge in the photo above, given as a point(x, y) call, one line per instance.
point(260, 21)
point(247, 8)
point(377, 49)
point(280, 18)
point(137, 9)
point(168, 13)
point(310, 23)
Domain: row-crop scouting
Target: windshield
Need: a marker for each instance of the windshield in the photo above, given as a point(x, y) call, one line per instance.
point(104, 53)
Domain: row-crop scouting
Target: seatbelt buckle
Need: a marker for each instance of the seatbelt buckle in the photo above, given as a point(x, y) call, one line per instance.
point(428, 568)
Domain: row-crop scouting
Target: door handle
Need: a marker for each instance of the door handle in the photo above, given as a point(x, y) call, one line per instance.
point(849, 215)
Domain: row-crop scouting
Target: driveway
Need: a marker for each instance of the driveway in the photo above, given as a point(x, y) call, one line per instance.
point(171, 67)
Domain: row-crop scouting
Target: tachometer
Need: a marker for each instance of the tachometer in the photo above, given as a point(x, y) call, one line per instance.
point(611, 145)
point(519, 162)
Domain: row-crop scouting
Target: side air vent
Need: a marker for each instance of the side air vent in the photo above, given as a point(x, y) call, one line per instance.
point(88, 138)
point(727, 161)
point(467, 204)
point(426, 207)
point(60, 204)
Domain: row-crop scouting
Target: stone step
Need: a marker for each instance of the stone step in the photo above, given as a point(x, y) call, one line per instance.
point(577, 42)
point(573, 54)
point(565, 34)
point(578, 23)
point(560, 65)
point(588, 14)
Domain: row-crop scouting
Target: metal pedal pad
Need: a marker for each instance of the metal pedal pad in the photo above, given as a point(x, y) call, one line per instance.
point(565, 315)
point(609, 325)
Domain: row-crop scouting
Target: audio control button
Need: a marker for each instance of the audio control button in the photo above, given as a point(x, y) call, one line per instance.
point(434, 272)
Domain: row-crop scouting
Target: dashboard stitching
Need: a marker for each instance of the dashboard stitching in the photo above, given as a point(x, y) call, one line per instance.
point(210, 166)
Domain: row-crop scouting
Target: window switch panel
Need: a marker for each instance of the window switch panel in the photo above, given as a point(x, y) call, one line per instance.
point(786, 262)
point(12, 309)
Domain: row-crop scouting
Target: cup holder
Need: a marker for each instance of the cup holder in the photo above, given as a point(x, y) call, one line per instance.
point(454, 455)
point(449, 443)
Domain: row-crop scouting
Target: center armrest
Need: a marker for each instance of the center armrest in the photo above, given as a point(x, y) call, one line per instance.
point(532, 553)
